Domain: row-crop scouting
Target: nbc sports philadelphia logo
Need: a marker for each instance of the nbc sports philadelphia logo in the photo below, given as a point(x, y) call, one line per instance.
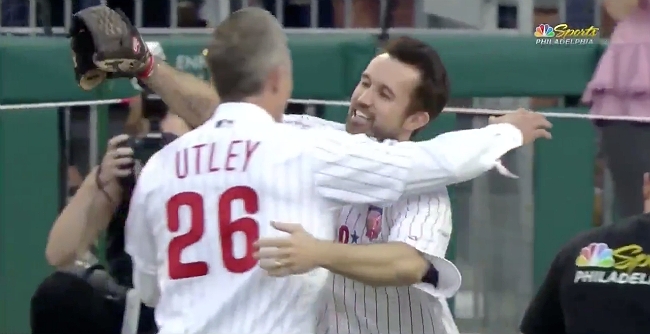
point(598, 263)
point(563, 34)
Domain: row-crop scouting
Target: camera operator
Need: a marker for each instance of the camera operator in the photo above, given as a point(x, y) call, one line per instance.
point(79, 298)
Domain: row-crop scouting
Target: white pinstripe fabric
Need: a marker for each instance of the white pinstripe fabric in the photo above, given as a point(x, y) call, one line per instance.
point(300, 176)
point(356, 308)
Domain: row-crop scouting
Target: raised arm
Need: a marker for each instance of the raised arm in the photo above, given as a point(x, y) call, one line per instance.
point(351, 169)
point(192, 99)
point(91, 208)
point(80, 222)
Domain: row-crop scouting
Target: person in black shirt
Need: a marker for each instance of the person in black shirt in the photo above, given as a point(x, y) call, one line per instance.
point(78, 299)
point(598, 283)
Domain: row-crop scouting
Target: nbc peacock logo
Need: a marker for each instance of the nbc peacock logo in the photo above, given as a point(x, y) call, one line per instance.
point(544, 30)
point(595, 255)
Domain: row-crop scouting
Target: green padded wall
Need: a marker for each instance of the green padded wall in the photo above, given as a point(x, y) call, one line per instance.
point(29, 164)
point(564, 187)
point(325, 66)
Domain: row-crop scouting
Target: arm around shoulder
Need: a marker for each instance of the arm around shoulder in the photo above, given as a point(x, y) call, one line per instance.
point(458, 156)
point(355, 169)
point(309, 121)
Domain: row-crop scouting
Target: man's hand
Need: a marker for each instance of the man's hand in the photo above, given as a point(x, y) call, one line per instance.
point(531, 124)
point(117, 162)
point(296, 254)
point(646, 192)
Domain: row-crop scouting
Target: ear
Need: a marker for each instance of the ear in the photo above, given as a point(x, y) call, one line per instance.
point(416, 121)
point(274, 79)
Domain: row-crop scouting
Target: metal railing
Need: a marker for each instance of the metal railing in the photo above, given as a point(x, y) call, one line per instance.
point(214, 12)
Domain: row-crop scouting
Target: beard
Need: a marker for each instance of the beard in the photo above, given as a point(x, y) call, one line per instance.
point(371, 129)
point(382, 134)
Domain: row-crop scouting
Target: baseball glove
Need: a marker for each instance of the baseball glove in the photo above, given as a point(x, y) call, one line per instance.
point(106, 45)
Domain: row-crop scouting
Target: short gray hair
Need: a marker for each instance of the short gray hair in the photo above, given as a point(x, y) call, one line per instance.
point(244, 49)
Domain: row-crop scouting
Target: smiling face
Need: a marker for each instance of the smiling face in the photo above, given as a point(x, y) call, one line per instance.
point(381, 104)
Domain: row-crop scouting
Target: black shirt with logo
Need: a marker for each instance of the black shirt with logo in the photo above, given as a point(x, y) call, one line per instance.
point(599, 283)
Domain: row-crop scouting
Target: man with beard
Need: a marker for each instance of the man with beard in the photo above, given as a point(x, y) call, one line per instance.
point(409, 236)
point(399, 93)
point(422, 90)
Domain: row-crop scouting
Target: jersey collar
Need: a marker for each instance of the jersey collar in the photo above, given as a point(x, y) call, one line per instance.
point(241, 111)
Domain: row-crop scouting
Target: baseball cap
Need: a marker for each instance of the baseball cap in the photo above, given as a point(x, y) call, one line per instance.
point(449, 278)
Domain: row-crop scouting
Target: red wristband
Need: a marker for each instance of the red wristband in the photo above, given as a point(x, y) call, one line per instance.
point(148, 70)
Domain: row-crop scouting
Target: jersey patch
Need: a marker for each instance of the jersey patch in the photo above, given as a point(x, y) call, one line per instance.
point(374, 222)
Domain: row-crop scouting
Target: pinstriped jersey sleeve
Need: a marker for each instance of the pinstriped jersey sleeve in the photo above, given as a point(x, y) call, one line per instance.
point(458, 156)
point(355, 169)
point(423, 222)
point(309, 121)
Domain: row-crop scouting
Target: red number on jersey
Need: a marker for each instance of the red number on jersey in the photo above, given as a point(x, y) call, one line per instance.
point(227, 227)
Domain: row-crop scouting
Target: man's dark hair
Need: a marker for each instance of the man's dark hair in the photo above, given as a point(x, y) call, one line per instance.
point(432, 92)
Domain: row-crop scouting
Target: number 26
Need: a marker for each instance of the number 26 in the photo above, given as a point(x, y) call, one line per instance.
point(227, 227)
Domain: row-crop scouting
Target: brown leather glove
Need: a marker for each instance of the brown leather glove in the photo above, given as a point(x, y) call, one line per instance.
point(106, 45)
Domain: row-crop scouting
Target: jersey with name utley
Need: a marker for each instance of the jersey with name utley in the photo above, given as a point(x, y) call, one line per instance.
point(202, 201)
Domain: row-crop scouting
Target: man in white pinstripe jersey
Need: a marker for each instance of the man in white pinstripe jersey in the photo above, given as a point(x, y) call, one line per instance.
point(380, 289)
point(188, 261)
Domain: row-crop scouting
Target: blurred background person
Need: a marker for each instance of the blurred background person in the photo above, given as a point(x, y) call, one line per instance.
point(606, 293)
point(81, 297)
point(297, 13)
point(15, 13)
point(100, 205)
point(189, 15)
point(620, 86)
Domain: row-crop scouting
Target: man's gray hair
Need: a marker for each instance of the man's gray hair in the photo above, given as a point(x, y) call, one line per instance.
point(244, 49)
